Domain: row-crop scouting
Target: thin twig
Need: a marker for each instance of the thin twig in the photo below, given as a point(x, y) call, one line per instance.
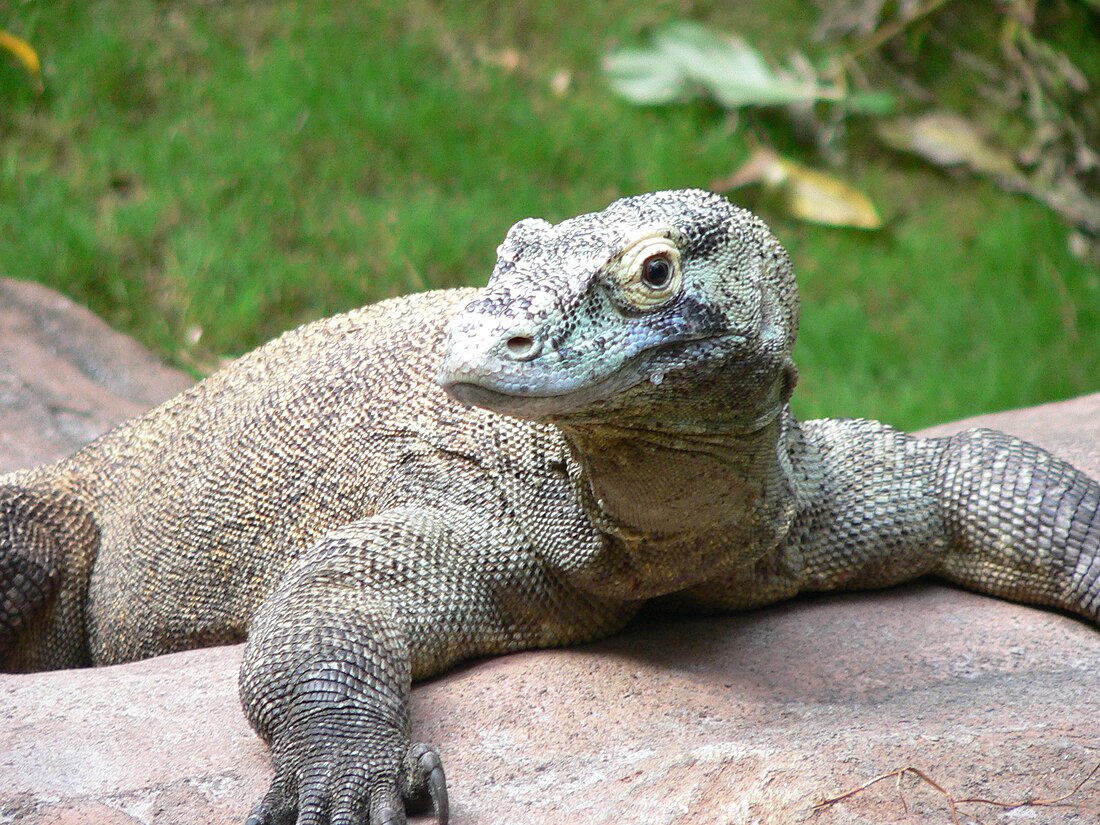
point(904, 804)
point(952, 802)
point(1031, 802)
point(895, 27)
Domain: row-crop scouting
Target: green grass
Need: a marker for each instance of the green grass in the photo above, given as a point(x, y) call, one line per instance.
point(206, 175)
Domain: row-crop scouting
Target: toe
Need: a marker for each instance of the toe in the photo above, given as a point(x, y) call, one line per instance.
point(426, 778)
point(432, 765)
point(272, 810)
point(387, 808)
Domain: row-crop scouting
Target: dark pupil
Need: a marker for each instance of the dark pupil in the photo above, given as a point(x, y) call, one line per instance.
point(657, 272)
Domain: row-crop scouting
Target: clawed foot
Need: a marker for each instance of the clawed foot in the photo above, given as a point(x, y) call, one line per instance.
point(427, 782)
point(339, 790)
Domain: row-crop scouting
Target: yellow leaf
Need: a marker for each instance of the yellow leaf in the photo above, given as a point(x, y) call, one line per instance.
point(947, 139)
point(808, 194)
point(26, 55)
point(821, 198)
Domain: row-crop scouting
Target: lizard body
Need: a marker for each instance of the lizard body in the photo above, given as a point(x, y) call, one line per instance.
point(609, 426)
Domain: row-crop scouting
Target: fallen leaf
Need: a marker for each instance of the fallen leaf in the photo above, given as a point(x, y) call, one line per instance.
point(560, 82)
point(760, 166)
point(25, 54)
point(947, 139)
point(508, 59)
point(807, 194)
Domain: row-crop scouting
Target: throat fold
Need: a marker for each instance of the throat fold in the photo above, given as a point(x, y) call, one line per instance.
point(644, 481)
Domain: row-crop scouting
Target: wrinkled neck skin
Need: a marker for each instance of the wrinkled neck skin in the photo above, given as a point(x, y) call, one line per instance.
point(685, 485)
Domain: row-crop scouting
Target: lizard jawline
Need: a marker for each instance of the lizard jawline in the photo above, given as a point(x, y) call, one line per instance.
point(533, 405)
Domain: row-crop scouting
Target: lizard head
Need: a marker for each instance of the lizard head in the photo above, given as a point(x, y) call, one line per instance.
point(626, 309)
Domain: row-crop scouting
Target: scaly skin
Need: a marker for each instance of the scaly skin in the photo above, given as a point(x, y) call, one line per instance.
point(630, 439)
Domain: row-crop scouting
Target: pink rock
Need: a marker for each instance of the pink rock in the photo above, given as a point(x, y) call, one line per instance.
point(66, 377)
point(743, 719)
point(156, 741)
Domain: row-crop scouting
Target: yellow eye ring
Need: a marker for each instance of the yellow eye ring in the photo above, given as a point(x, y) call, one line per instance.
point(651, 273)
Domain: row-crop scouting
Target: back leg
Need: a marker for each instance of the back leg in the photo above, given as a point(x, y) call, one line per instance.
point(1025, 525)
point(47, 544)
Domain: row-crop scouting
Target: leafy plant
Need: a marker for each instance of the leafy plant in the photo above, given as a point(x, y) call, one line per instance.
point(686, 60)
point(1032, 93)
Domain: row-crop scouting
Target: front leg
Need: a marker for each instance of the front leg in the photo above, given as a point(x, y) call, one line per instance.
point(981, 508)
point(371, 607)
point(1022, 523)
point(327, 672)
point(876, 507)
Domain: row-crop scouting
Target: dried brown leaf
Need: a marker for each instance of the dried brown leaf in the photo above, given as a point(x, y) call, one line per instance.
point(947, 139)
point(807, 194)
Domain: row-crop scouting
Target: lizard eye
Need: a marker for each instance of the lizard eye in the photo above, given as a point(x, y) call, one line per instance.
point(650, 275)
point(657, 271)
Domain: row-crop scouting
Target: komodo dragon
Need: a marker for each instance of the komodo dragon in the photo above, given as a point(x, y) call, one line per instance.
point(333, 497)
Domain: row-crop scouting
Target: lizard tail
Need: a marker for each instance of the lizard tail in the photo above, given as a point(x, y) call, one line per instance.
point(46, 543)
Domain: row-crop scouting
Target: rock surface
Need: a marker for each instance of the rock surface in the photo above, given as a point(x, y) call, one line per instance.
point(743, 719)
point(66, 377)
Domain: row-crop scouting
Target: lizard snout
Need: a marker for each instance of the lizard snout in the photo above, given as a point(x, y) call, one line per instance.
point(483, 351)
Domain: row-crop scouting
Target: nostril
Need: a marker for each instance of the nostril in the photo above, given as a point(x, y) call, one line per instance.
point(521, 346)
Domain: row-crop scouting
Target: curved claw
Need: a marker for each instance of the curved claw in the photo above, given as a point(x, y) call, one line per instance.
point(432, 765)
point(426, 769)
point(266, 812)
point(343, 793)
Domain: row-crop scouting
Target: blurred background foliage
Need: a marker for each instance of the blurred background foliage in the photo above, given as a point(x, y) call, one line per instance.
point(207, 174)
